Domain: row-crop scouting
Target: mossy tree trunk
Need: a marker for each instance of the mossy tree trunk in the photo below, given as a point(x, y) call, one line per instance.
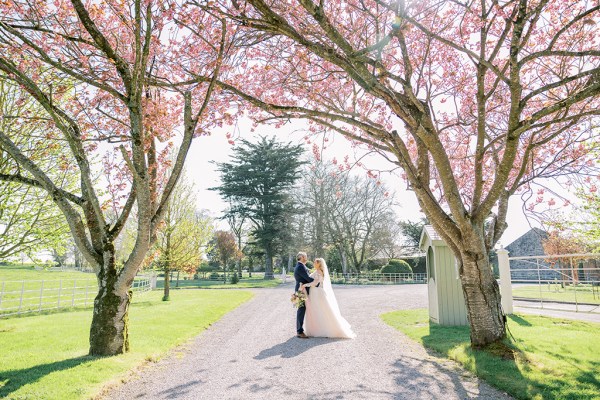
point(482, 299)
point(480, 288)
point(109, 332)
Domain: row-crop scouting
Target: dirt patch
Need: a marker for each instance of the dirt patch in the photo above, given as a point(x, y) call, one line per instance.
point(503, 350)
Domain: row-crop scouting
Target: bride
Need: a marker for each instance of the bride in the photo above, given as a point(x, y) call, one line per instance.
point(323, 317)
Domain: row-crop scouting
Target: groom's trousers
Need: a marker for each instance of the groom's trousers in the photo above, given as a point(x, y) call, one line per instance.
point(300, 319)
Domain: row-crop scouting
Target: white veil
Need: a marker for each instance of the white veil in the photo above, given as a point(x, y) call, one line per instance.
point(328, 289)
point(331, 323)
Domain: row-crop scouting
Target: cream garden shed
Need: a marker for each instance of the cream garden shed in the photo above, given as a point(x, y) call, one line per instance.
point(446, 299)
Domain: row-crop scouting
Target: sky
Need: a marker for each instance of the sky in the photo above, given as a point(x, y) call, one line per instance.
point(206, 150)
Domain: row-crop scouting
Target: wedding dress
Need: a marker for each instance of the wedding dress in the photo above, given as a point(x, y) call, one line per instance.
point(323, 317)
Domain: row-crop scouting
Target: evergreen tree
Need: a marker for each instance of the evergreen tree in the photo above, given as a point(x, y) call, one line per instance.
point(411, 231)
point(256, 183)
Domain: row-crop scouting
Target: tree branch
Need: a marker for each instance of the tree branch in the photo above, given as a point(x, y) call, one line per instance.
point(102, 43)
point(32, 182)
point(73, 217)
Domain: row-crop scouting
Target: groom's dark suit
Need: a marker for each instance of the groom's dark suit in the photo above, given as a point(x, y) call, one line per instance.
point(301, 276)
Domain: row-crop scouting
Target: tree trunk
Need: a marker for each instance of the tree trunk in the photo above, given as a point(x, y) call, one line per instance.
point(268, 264)
point(482, 297)
point(239, 259)
point(319, 239)
point(77, 262)
point(77, 257)
point(109, 333)
point(344, 262)
point(167, 285)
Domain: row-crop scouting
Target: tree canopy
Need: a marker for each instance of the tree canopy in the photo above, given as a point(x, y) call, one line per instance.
point(29, 219)
point(474, 100)
point(126, 69)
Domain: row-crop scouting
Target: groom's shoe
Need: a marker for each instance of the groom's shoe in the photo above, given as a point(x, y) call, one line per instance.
point(302, 335)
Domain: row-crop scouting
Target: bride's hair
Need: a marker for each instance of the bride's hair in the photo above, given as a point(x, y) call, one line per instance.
point(320, 262)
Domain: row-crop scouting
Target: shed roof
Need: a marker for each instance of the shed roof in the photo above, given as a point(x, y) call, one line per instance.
point(429, 231)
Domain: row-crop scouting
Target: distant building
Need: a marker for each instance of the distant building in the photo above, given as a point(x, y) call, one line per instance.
point(530, 244)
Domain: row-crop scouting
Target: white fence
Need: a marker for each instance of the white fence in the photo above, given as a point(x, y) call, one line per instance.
point(561, 282)
point(371, 278)
point(20, 297)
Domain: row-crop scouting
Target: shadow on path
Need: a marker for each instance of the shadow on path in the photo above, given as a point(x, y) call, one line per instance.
point(293, 347)
point(13, 380)
point(181, 390)
point(427, 385)
point(498, 360)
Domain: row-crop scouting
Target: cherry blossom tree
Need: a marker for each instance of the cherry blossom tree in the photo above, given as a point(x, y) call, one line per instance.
point(475, 100)
point(106, 74)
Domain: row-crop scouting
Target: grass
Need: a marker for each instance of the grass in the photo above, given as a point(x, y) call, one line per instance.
point(342, 281)
point(254, 282)
point(28, 272)
point(45, 356)
point(21, 286)
point(552, 291)
point(551, 358)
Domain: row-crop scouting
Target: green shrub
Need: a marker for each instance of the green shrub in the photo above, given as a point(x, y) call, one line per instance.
point(234, 278)
point(397, 267)
point(214, 276)
point(375, 264)
point(206, 267)
point(418, 265)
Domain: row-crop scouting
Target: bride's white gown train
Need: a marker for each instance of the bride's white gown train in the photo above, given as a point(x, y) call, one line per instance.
point(323, 317)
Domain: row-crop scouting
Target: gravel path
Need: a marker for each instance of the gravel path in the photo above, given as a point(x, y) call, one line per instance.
point(252, 353)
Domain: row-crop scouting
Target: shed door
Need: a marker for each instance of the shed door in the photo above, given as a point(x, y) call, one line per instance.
point(432, 287)
point(430, 261)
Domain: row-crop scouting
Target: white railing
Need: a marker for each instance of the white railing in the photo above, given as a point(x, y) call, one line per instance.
point(20, 297)
point(566, 281)
point(370, 278)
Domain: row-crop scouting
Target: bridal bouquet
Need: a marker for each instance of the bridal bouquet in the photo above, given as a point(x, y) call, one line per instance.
point(298, 299)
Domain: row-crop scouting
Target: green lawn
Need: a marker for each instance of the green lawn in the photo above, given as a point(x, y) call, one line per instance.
point(28, 272)
point(553, 291)
point(551, 358)
point(254, 282)
point(44, 356)
point(342, 281)
point(21, 286)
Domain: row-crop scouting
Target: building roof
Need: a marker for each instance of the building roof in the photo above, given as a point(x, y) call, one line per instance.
point(430, 232)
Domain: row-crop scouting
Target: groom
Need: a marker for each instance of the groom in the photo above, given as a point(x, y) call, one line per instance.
point(301, 276)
